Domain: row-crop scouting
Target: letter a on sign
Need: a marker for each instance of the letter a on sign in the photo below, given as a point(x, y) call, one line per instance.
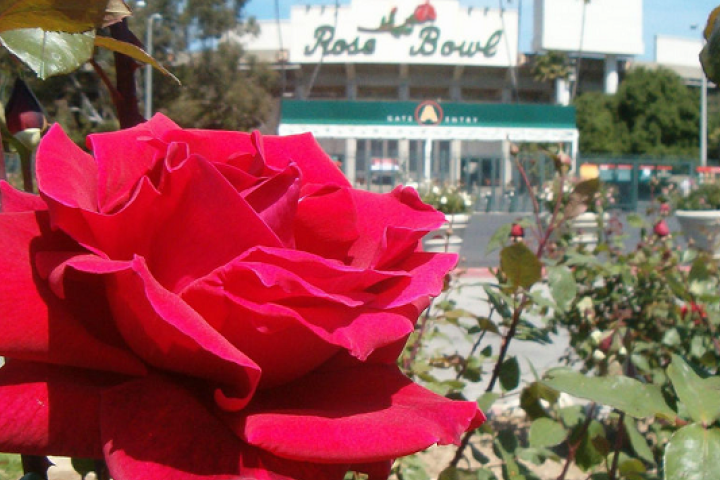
point(428, 115)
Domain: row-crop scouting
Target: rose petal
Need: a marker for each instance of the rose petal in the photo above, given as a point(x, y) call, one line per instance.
point(37, 325)
point(12, 200)
point(124, 157)
point(162, 329)
point(289, 310)
point(154, 429)
point(366, 414)
point(401, 208)
point(325, 223)
point(50, 410)
point(154, 224)
point(315, 164)
point(65, 173)
point(275, 200)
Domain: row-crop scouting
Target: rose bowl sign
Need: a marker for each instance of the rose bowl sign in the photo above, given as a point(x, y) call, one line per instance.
point(404, 32)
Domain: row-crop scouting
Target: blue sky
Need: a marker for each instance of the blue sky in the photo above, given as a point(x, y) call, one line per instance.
point(661, 17)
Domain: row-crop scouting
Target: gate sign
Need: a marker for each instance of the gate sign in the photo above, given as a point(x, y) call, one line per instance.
point(404, 32)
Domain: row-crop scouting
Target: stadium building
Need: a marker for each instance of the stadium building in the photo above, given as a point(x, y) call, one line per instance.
point(420, 90)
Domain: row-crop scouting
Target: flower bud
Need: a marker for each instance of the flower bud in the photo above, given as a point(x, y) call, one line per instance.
point(517, 232)
point(664, 209)
point(661, 229)
point(24, 115)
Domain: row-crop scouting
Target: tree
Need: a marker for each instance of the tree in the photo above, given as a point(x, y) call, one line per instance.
point(652, 113)
point(217, 95)
point(215, 92)
point(660, 114)
point(598, 124)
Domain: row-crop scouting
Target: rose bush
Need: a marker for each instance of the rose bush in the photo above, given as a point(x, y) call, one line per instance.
point(198, 304)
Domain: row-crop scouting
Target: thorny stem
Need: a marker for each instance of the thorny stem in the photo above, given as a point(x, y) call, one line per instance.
point(572, 448)
point(126, 101)
point(510, 334)
point(612, 474)
point(473, 349)
point(507, 338)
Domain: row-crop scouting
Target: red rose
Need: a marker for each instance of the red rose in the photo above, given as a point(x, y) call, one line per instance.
point(425, 12)
point(195, 304)
point(661, 229)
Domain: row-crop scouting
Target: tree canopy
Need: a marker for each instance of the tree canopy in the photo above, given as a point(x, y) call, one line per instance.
point(653, 113)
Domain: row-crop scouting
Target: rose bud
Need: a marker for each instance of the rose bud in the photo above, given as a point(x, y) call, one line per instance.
point(517, 232)
point(683, 311)
point(664, 209)
point(606, 343)
point(661, 229)
point(24, 115)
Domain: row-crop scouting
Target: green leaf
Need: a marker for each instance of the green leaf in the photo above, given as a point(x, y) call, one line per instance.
point(499, 238)
point(479, 456)
point(83, 466)
point(454, 473)
point(486, 400)
point(545, 432)
point(485, 474)
point(530, 399)
point(588, 454)
point(497, 300)
point(692, 454)
point(637, 441)
point(70, 16)
point(520, 265)
point(701, 396)
point(626, 394)
point(562, 285)
point(634, 220)
point(132, 51)
point(510, 374)
point(49, 53)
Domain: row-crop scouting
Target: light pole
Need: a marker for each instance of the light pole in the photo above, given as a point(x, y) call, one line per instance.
point(703, 119)
point(703, 105)
point(148, 68)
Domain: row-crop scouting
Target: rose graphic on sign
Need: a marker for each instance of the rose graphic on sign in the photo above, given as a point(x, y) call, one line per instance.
point(423, 13)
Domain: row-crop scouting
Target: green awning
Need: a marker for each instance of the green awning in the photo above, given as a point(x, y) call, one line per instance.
point(424, 114)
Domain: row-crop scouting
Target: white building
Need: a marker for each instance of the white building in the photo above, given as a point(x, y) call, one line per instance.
point(435, 89)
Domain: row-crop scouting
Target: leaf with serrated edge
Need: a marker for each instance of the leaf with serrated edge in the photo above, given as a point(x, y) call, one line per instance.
point(626, 394)
point(49, 53)
point(700, 396)
point(69, 16)
point(692, 454)
point(521, 266)
point(132, 51)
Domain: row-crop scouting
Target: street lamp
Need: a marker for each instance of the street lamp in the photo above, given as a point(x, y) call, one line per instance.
point(703, 105)
point(148, 68)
